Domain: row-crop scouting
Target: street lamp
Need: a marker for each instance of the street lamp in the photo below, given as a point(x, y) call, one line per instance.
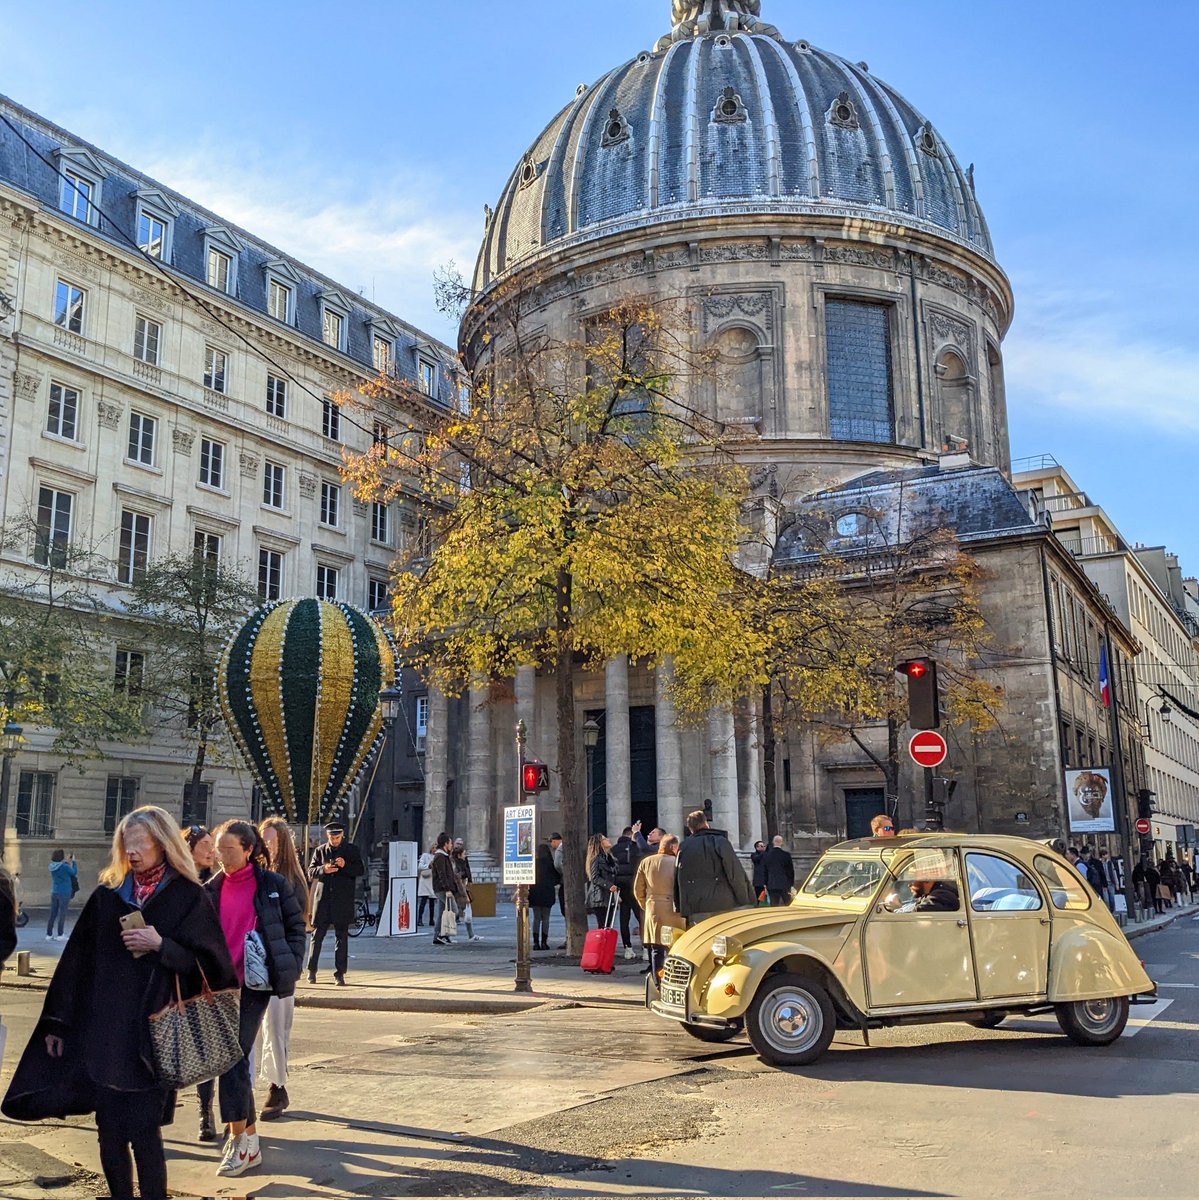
point(390, 700)
point(591, 732)
point(10, 742)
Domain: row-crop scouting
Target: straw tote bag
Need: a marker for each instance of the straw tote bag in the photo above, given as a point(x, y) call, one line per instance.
point(196, 1039)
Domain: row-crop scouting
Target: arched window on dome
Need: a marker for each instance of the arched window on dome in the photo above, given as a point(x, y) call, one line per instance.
point(738, 376)
point(861, 404)
point(955, 395)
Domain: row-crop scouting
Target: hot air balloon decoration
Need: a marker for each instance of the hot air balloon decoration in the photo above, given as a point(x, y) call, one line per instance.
point(299, 688)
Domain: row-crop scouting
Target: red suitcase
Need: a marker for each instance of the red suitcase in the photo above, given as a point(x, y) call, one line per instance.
point(599, 948)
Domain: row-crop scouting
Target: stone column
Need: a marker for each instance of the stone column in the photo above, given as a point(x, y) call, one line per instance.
point(722, 747)
point(479, 797)
point(437, 765)
point(749, 776)
point(668, 749)
point(616, 739)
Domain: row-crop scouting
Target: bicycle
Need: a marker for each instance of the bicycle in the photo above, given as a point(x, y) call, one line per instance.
point(363, 917)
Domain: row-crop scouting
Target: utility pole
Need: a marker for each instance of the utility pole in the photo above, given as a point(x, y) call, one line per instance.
point(524, 940)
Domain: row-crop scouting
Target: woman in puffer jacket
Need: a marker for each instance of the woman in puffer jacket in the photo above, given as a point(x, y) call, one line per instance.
point(251, 899)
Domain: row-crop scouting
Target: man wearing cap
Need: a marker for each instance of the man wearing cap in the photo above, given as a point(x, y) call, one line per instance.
point(335, 865)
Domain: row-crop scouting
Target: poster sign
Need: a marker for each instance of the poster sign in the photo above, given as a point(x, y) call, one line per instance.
point(400, 919)
point(1089, 800)
point(520, 838)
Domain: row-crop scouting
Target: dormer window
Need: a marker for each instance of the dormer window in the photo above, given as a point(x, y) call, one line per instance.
point(80, 176)
point(221, 251)
point(616, 129)
point(155, 223)
point(428, 378)
point(843, 113)
point(730, 107)
point(335, 311)
point(383, 334)
point(281, 283)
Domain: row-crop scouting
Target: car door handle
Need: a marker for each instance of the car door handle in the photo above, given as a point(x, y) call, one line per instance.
point(1045, 921)
point(961, 922)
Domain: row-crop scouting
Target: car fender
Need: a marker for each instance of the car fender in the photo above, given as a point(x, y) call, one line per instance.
point(1088, 963)
point(733, 985)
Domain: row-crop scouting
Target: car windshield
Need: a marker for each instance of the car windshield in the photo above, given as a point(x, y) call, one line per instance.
point(844, 877)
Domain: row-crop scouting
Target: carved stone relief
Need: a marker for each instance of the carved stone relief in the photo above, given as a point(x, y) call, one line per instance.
point(109, 414)
point(150, 300)
point(182, 440)
point(27, 384)
point(80, 266)
point(307, 484)
point(248, 464)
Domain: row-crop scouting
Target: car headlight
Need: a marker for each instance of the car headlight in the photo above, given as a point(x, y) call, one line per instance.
point(725, 947)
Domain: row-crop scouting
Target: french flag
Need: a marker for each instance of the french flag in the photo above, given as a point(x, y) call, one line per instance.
point(1105, 686)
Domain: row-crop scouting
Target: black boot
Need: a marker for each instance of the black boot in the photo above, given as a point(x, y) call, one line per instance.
point(207, 1125)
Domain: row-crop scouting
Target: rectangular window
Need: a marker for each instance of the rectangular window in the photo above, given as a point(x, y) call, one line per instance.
point(147, 337)
point(428, 379)
point(270, 574)
point(381, 348)
point(53, 527)
point(379, 529)
point(326, 582)
point(134, 552)
point(220, 269)
point(63, 417)
point(130, 671)
point(151, 235)
point(860, 399)
point(141, 438)
point(332, 324)
point(330, 503)
point(381, 434)
point(276, 397)
point(120, 799)
point(331, 419)
point(273, 479)
point(206, 549)
point(376, 594)
point(422, 722)
point(197, 799)
point(35, 804)
point(76, 196)
point(69, 302)
point(278, 302)
point(216, 363)
point(212, 463)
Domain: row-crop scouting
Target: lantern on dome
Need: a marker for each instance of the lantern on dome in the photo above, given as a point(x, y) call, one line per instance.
point(299, 686)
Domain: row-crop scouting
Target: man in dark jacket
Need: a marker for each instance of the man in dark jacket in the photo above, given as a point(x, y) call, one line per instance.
point(779, 871)
point(756, 858)
point(628, 856)
point(708, 878)
point(335, 864)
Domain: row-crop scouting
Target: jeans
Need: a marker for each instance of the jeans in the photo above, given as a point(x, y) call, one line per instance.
point(628, 908)
point(439, 912)
point(541, 927)
point(341, 947)
point(235, 1087)
point(132, 1121)
point(58, 912)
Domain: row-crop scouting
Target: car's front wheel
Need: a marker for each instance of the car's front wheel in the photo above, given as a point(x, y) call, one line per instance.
point(1093, 1022)
point(710, 1033)
point(791, 1020)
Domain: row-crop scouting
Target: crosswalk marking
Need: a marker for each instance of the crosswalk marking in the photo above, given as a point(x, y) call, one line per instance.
point(1142, 1016)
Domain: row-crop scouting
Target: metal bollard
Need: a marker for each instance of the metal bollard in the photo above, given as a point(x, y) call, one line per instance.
point(23, 967)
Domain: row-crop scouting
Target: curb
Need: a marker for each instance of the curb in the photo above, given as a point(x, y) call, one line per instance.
point(1158, 925)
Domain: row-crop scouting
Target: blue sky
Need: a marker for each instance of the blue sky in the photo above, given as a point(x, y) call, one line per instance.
point(366, 138)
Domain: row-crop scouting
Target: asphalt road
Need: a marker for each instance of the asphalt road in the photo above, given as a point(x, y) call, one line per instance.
point(582, 1101)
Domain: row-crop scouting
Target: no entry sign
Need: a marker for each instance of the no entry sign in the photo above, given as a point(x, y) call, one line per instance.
point(1143, 825)
point(928, 748)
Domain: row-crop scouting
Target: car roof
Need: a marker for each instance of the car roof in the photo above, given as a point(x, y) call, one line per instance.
point(1013, 845)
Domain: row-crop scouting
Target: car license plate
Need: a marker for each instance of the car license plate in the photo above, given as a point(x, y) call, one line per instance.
point(675, 997)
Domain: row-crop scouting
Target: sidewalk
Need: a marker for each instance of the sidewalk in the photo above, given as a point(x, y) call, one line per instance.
point(412, 975)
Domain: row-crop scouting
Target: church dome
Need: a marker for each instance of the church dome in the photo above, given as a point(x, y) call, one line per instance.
point(726, 117)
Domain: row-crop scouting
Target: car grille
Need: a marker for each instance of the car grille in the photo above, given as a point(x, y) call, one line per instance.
point(676, 975)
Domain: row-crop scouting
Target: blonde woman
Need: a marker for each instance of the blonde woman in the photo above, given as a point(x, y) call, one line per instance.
point(147, 925)
point(275, 1039)
point(601, 880)
point(653, 888)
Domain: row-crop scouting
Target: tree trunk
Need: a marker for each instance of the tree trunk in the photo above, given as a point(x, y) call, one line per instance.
point(891, 771)
point(574, 818)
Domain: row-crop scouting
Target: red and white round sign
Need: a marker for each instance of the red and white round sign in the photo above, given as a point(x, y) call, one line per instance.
point(1143, 825)
point(928, 748)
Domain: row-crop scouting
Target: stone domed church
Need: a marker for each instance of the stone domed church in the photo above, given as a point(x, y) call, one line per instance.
point(833, 250)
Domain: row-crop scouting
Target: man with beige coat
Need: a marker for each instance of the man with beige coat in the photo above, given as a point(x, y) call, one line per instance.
point(653, 888)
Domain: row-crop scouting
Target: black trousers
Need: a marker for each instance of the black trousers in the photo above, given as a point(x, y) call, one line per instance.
point(235, 1087)
point(128, 1121)
point(779, 897)
point(628, 908)
point(562, 900)
point(423, 902)
point(341, 947)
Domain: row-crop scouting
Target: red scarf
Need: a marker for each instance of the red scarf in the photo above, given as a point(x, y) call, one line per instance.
point(145, 883)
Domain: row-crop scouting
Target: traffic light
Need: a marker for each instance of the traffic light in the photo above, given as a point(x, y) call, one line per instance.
point(1145, 802)
point(535, 776)
point(924, 701)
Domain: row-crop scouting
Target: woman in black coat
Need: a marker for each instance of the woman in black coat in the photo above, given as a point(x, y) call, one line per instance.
point(542, 895)
point(250, 899)
point(602, 891)
point(91, 1050)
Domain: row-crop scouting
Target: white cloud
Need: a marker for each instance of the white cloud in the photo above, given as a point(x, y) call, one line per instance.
point(1072, 351)
point(381, 236)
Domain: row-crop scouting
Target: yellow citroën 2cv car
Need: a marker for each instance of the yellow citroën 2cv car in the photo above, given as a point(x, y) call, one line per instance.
point(907, 930)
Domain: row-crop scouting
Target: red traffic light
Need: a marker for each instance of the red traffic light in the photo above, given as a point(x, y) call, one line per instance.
point(914, 669)
point(535, 777)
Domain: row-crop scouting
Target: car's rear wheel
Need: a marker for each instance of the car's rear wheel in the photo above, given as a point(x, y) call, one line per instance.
point(791, 1020)
point(710, 1033)
point(990, 1021)
point(1093, 1022)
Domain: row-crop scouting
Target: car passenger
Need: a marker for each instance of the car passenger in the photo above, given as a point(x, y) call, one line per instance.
point(882, 826)
point(932, 895)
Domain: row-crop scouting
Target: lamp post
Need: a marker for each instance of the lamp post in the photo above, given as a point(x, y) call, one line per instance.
point(524, 938)
point(10, 743)
point(390, 700)
point(591, 732)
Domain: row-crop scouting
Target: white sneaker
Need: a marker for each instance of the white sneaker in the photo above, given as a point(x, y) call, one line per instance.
point(476, 937)
point(629, 952)
point(237, 1157)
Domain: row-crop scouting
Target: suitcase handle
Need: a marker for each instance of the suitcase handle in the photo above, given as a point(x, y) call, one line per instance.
point(612, 909)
